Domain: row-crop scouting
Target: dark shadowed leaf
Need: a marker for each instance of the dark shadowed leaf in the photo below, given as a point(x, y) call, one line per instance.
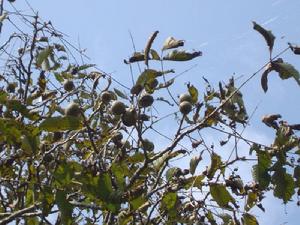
point(264, 77)
point(65, 208)
point(194, 163)
point(268, 36)
point(284, 185)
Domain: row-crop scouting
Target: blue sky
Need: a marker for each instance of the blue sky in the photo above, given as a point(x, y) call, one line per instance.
point(222, 30)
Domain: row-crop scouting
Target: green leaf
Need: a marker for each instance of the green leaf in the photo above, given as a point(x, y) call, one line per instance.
point(297, 176)
point(286, 70)
point(249, 219)
point(30, 144)
point(137, 202)
point(267, 34)
point(214, 166)
point(154, 55)
point(64, 206)
point(171, 42)
point(194, 163)
point(260, 172)
point(65, 123)
point(43, 55)
point(65, 173)
point(220, 194)
point(120, 93)
point(251, 200)
point(284, 185)
point(169, 200)
point(194, 93)
point(181, 55)
point(85, 66)
point(172, 172)
point(146, 76)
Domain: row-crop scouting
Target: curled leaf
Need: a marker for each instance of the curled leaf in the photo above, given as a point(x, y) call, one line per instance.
point(270, 120)
point(295, 49)
point(267, 34)
point(264, 77)
point(286, 70)
point(136, 57)
point(182, 55)
point(148, 47)
point(171, 42)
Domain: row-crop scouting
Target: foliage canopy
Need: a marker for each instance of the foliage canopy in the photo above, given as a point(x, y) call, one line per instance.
point(76, 146)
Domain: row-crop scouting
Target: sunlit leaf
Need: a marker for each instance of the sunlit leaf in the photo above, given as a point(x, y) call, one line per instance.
point(214, 166)
point(171, 42)
point(154, 55)
point(220, 194)
point(249, 219)
point(194, 93)
point(181, 55)
point(60, 123)
point(43, 55)
point(194, 163)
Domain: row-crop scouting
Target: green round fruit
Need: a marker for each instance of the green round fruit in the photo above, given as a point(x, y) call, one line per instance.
point(106, 97)
point(129, 118)
point(118, 108)
point(11, 87)
point(147, 145)
point(136, 89)
point(73, 109)
point(69, 85)
point(146, 100)
point(185, 107)
point(117, 137)
point(185, 97)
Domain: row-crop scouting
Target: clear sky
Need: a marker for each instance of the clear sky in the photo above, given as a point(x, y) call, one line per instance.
point(222, 30)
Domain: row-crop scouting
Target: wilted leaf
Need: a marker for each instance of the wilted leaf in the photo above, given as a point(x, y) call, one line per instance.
point(249, 219)
point(148, 47)
point(264, 77)
point(3, 17)
point(171, 42)
point(269, 37)
point(220, 194)
point(182, 55)
point(136, 57)
point(59, 123)
point(270, 120)
point(295, 49)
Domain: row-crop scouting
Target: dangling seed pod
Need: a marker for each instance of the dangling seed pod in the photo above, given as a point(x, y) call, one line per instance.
point(118, 108)
point(146, 100)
